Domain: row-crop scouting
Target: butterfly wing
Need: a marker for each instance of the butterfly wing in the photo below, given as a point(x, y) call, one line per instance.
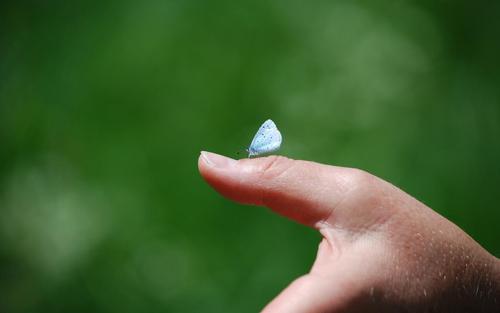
point(264, 128)
point(267, 140)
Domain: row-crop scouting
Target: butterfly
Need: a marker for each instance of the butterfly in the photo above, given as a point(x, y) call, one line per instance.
point(267, 140)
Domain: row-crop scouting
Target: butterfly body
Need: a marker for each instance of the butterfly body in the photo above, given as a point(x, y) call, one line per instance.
point(267, 140)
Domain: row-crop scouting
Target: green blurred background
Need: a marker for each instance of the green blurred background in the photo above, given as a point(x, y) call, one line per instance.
point(105, 105)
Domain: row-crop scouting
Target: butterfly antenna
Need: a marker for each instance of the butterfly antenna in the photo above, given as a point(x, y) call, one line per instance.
point(240, 153)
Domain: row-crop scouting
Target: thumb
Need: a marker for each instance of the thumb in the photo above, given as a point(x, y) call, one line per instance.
point(304, 191)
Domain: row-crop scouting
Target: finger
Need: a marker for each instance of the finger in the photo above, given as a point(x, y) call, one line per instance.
point(304, 191)
point(312, 294)
point(302, 295)
point(330, 285)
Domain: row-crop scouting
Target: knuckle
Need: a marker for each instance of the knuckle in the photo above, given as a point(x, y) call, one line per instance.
point(362, 179)
point(275, 166)
point(366, 189)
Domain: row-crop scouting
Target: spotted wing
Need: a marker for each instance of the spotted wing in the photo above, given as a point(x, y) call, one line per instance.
point(267, 140)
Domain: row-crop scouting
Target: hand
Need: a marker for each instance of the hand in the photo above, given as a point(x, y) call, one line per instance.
point(382, 250)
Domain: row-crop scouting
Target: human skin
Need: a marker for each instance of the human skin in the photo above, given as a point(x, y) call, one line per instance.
point(382, 250)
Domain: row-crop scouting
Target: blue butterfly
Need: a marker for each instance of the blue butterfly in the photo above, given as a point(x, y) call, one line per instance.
point(266, 141)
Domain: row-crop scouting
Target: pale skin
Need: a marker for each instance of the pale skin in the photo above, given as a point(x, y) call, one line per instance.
point(382, 250)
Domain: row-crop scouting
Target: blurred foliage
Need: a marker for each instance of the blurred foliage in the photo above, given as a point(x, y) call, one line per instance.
point(105, 105)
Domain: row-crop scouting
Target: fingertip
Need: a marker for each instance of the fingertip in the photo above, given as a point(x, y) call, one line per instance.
point(206, 166)
point(216, 160)
point(209, 163)
point(202, 160)
point(202, 164)
point(224, 175)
